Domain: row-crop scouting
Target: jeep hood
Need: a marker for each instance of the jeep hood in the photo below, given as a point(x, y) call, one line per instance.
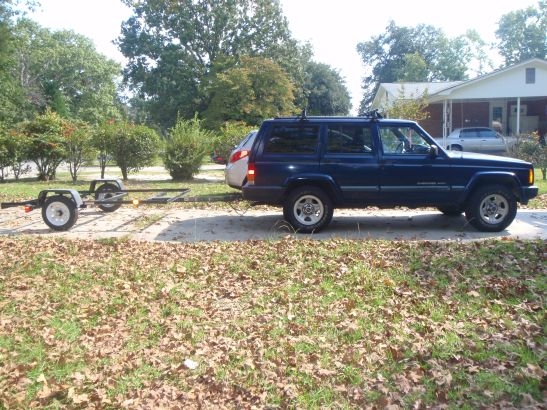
point(484, 158)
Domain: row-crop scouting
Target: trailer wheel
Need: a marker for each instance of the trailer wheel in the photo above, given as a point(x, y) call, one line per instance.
point(106, 191)
point(59, 212)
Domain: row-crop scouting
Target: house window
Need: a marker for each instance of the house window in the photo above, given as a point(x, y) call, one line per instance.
point(530, 76)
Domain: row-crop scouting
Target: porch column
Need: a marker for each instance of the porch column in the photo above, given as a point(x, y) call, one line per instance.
point(518, 117)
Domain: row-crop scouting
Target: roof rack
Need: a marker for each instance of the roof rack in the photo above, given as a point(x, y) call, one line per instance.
point(373, 114)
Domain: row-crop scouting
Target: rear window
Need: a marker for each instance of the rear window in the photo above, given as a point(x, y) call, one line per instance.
point(469, 133)
point(487, 134)
point(292, 139)
point(349, 139)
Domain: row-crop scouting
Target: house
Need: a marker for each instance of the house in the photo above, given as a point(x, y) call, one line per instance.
point(512, 100)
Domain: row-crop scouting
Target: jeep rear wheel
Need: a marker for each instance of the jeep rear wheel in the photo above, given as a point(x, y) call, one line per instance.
point(308, 209)
point(491, 209)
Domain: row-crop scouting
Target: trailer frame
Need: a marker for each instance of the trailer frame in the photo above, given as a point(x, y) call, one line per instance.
point(60, 206)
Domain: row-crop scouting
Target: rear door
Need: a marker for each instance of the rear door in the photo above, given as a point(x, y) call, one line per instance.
point(491, 141)
point(350, 158)
point(470, 139)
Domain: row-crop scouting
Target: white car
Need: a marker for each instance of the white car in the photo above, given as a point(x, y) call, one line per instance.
point(475, 139)
point(235, 172)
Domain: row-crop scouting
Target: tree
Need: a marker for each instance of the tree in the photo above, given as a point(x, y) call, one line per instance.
point(79, 147)
point(61, 70)
point(186, 145)
point(254, 89)
point(326, 91)
point(173, 45)
point(418, 54)
point(12, 153)
point(131, 146)
point(45, 144)
point(13, 106)
point(521, 34)
point(408, 107)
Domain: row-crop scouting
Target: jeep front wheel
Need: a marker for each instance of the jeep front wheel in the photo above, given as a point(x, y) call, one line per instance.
point(308, 209)
point(491, 208)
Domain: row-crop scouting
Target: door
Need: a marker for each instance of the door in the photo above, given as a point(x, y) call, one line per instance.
point(350, 157)
point(409, 174)
point(491, 141)
point(470, 139)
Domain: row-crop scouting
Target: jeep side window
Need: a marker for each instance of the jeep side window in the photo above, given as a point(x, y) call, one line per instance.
point(403, 140)
point(292, 139)
point(349, 139)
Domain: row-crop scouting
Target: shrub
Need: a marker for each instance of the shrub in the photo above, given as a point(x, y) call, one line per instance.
point(13, 155)
point(230, 134)
point(131, 146)
point(531, 148)
point(45, 143)
point(186, 145)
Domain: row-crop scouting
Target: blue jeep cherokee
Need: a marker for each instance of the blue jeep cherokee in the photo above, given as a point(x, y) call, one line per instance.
point(311, 165)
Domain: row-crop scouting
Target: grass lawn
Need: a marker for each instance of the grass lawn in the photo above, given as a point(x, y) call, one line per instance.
point(289, 323)
point(271, 324)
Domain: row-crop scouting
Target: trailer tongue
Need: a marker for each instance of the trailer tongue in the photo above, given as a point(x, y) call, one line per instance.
point(60, 206)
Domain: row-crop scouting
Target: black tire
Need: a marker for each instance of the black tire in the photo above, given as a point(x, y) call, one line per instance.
point(106, 191)
point(455, 148)
point(451, 210)
point(308, 209)
point(59, 212)
point(491, 208)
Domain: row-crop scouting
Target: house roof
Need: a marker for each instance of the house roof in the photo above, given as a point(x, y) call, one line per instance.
point(504, 83)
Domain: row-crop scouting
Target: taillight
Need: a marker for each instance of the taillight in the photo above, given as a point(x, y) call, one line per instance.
point(236, 156)
point(531, 176)
point(251, 173)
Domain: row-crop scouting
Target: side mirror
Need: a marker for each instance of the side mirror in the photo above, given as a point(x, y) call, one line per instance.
point(434, 151)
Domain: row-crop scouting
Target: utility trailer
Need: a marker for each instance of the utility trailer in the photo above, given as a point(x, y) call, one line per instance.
point(60, 206)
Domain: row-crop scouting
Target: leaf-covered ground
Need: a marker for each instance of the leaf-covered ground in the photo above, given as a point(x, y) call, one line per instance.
point(272, 324)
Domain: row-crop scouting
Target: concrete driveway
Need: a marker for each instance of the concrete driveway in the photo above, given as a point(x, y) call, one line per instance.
point(189, 225)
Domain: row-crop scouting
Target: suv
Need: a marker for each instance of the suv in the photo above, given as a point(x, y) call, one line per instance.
point(311, 165)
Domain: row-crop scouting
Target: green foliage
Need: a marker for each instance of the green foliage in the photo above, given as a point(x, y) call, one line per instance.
point(171, 47)
point(79, 146)
point(532, 148)
point(230, 134)
point(416, 54)
point(408, 107)
point(131, 146)
point(12, 154)
point(521, 34)
point(326, 91)
point(250, 91)
point(63, 71)
point(45, 143)
point(186, 145)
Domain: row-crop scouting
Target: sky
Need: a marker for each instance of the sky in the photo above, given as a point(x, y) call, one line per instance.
point(332, 27)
